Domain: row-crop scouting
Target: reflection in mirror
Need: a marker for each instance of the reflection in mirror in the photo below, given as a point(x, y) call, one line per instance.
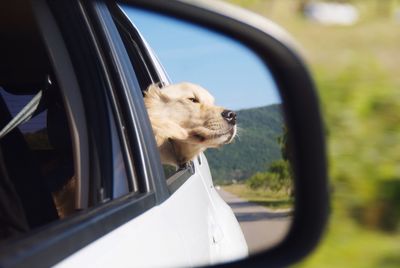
point(252, 173)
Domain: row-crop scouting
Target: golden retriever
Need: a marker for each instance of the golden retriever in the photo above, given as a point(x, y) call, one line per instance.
point(185, 121)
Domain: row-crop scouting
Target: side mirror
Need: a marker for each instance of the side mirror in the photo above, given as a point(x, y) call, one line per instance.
point(279, 53)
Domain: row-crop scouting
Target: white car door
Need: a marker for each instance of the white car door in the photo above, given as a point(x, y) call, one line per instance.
point(192, 227)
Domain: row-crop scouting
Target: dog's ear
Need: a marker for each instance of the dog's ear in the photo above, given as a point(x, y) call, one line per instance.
point(167, 129)
point(154, 92)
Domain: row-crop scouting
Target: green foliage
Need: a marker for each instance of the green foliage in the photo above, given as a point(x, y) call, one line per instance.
point(283, 142)
point(356, 72)
point(281, 169)
point(272, 200)
point(257, 181)
point(254, 149)
point(384, 210)
point(278, 178)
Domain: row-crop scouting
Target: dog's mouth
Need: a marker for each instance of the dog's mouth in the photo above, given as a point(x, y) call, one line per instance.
point(199, 137)
point(217, 136)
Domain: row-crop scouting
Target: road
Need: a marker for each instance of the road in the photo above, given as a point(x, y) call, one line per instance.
point(262, 228)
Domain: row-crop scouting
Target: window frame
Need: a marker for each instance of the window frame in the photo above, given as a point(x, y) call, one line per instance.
point(130, 98)
point(156, 73)
point(176, 180)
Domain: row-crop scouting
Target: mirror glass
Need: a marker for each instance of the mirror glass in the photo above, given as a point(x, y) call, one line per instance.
point(252, 173)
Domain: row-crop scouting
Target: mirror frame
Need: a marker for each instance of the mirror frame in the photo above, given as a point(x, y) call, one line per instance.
point(301, 109)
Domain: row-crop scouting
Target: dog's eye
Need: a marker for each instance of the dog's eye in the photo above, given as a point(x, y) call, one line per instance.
point(194, 100)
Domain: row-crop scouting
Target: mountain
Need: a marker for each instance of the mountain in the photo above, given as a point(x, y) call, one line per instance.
point(255, 147)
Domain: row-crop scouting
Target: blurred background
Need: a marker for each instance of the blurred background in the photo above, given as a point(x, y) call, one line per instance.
point(352, 48)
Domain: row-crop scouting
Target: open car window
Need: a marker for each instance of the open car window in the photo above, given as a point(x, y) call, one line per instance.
point(37, 161)
point(149, 71)
point(75, 169)
point(45, 170)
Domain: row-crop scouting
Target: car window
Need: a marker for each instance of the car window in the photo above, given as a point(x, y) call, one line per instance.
point(72, 159)
point(149, 71)
point(39, 175)
point(37, 159)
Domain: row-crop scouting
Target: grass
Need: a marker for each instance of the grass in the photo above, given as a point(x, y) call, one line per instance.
point(347, 245)
point(356, 69)
point(274, 201)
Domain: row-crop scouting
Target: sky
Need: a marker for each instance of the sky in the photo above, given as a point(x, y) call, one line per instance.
point(230, 71)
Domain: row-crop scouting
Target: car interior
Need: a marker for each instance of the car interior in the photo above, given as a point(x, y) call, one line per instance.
point(36, 157)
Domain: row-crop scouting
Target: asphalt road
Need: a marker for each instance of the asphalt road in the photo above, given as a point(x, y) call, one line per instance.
point(262, 228)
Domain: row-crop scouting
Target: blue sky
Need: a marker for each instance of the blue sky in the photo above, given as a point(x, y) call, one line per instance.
point(230, 71)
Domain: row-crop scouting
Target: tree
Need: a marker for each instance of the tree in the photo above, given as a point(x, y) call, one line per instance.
point(283, 142)
point(286, 151)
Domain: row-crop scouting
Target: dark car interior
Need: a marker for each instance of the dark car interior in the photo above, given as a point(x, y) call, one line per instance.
point(36, 160)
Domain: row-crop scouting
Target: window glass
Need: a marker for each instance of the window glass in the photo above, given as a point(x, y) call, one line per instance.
point(41, 165)
point(37, 171)
point(37, 161)
point(39, 152)
point(121, 186)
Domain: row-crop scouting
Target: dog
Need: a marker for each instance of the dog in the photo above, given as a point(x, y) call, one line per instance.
point(186, 122)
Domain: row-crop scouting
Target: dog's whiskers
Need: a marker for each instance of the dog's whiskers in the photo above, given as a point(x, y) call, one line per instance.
point(239, 132)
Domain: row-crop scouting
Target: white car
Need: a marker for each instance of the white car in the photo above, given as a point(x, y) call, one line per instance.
point(73, 126)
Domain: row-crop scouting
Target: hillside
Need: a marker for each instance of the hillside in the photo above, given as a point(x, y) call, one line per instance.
point(255, 147)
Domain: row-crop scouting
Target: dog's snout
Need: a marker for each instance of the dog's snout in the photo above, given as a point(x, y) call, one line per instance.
point(229, 116)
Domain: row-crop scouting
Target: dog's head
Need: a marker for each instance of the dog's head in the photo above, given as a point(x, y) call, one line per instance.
point(185, 114)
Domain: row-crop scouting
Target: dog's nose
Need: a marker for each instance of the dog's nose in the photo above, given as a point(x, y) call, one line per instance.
point(229, 116)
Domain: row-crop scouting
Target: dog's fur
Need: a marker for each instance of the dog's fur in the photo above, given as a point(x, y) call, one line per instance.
point(185, 121)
